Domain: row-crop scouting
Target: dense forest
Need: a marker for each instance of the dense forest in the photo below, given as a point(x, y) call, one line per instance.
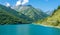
point(6, 18)
point(10, 16)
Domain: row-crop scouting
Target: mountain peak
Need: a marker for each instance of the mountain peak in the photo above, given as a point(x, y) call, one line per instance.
point(30, 12)
point(25, 5)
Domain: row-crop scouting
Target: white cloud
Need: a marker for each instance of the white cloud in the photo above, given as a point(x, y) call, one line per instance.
point(21, 2)
point(25, 1)
point(7, 4)
point(18, 2)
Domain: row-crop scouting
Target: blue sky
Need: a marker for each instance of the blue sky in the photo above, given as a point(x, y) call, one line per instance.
point(45, 5)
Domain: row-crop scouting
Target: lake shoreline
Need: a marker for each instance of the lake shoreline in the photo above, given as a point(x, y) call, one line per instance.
point(47, 25)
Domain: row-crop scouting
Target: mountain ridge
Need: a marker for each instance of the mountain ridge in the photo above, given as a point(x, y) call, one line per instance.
point(30, 11)
point(27, 14)
point(7, 11)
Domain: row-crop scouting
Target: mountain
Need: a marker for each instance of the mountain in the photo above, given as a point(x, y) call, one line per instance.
point(53, 20)
point(8, 16)
point(20, 14)
point(31, 12)
point(49, 12)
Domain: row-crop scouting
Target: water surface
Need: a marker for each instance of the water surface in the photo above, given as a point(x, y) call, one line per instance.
point(28, 29)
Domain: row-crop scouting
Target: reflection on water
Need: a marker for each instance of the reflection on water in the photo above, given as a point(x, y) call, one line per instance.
point(27, 29)
point(23, 29)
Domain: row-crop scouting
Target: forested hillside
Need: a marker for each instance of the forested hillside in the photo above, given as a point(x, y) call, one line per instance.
point(53, 20)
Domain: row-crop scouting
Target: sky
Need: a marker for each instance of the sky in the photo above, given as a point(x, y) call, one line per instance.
point(45, 5)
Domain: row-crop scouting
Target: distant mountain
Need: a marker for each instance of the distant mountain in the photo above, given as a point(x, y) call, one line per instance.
point(53, 20)
point(49, 12)
point(30, 12)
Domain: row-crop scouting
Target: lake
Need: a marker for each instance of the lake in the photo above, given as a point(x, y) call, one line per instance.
point(28, 29)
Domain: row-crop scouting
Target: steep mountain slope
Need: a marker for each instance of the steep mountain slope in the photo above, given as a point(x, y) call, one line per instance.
point(53, 20)
point(8, 16)
point(30, 12)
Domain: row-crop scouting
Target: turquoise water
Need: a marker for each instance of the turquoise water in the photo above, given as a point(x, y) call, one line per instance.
point(28, 29)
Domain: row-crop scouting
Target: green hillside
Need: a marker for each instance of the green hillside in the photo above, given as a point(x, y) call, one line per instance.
point(7, 18)
point(53, 20)
point(10, 16)
point(22, 14)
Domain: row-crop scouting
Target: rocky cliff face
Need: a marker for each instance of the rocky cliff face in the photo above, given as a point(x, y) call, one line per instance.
point(30, 12)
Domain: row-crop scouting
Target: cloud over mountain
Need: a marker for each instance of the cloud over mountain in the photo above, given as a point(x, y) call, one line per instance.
point(21, 2)
point(18, 2)
point(25, 1)
point(7, 4)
